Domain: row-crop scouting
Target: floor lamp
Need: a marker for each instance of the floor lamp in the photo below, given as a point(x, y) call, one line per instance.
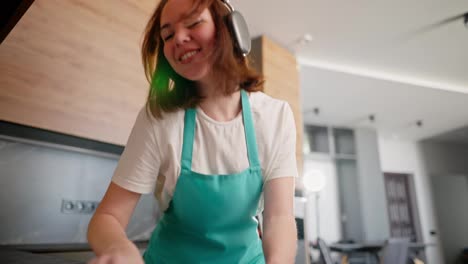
point(314, 182)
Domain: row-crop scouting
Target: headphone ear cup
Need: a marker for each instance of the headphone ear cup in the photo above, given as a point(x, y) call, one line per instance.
point(239, 31)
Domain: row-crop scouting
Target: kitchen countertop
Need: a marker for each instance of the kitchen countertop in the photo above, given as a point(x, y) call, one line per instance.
point(63, 253)
point(61, 247)
point(10, 256)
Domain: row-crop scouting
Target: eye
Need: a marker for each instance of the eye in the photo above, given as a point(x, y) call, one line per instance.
point(168, 37)
point(194, 24)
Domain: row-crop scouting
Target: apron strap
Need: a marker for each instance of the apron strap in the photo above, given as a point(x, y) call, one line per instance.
point(189, 134)
point(249, 128)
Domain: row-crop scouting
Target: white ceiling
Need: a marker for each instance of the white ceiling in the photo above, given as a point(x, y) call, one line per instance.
point(348, 100)
point(363, 60)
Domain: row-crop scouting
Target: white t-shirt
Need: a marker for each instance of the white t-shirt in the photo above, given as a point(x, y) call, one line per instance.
point(151, 159)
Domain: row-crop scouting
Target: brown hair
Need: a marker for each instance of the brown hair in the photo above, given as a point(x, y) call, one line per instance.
point(168, 90)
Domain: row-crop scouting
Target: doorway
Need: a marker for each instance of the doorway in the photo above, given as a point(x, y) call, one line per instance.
point(402, 207)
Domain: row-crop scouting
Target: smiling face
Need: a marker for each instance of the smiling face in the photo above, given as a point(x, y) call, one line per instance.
point(189, 39)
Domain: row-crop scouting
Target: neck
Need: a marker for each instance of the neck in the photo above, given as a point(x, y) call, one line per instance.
point(216, 104)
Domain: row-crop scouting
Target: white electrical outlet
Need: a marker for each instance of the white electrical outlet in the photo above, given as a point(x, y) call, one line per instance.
point(78, 206)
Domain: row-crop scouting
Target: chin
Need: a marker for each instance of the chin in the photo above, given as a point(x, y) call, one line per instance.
point(197, 75)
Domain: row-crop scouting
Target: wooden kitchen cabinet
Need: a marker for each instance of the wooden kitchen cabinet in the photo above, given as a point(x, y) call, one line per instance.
point(74, 67)
point(280, 70)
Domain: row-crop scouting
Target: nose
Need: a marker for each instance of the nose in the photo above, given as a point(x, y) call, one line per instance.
point(182, 36)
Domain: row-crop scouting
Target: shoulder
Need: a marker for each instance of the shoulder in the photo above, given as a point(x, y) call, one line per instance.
point(167, 120)
point(264, 105)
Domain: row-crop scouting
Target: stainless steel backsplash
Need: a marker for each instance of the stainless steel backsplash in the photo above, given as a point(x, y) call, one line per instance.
point(35, 180)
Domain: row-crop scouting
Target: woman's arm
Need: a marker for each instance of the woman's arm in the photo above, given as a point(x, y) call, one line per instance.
point(279, 226)
point(106, 230)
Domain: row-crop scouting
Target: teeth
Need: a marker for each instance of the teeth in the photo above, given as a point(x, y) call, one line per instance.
point(188, 55)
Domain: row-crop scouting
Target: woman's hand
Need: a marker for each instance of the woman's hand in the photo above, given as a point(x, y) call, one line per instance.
point(119, 256)
point(106, 230)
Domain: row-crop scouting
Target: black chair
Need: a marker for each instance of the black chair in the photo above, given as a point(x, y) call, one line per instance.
point(301, 254)
point(325, 254)
point(395, 251)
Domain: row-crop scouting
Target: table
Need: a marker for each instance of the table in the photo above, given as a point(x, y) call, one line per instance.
point(347, 249)
point(371, 248)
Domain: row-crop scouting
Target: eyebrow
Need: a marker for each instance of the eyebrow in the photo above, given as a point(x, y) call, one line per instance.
point(165, 26)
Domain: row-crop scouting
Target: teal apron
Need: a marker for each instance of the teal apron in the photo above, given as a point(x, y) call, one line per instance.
point(211, 218)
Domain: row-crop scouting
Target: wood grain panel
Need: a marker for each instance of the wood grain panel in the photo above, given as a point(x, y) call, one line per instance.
point(279, 68)
point(74, 67)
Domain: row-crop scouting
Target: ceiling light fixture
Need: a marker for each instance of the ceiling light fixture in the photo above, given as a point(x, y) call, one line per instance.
point(407, 130)
point(301, 41)
point(419, 123)
point(368, 120)
point(306, 38)
point(314, 110)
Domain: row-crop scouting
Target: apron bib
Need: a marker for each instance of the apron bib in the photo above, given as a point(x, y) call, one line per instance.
point(211, 218)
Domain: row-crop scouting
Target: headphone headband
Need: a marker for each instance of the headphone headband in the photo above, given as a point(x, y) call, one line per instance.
point(239, 30)
point(228, 5)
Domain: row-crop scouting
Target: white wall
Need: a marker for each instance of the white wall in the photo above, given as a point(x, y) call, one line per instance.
point(447, 166)
point(445, 158)
point(406, 157)
point(449, 193)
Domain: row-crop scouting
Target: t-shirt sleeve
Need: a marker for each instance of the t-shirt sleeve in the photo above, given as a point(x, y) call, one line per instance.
point(138, 167)
point(283, 163)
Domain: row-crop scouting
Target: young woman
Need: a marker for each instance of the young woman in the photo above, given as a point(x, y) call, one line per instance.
point(214, 149)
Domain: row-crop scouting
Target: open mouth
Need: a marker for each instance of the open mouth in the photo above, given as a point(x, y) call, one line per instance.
point(188, 56)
